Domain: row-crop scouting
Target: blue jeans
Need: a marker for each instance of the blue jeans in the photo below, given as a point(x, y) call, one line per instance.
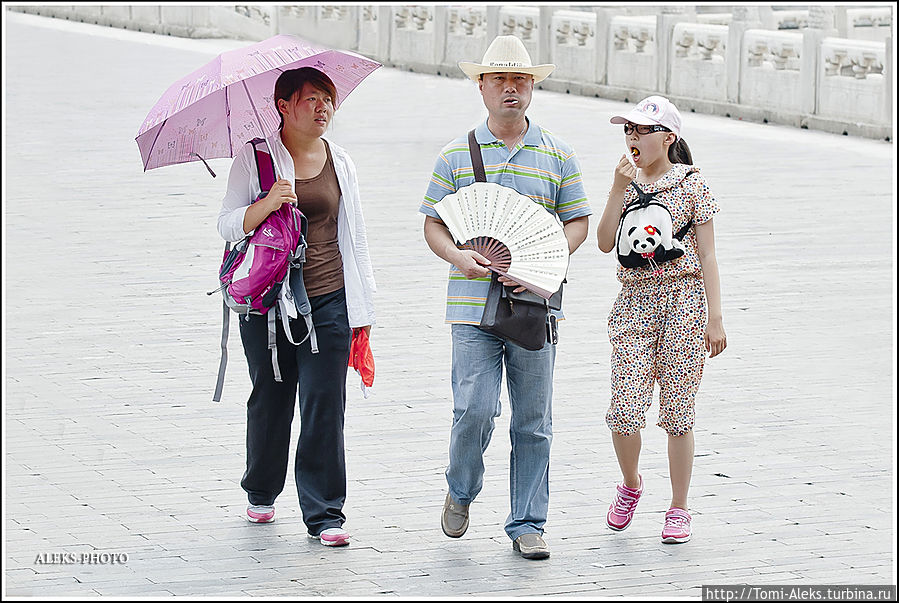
point(477, 377)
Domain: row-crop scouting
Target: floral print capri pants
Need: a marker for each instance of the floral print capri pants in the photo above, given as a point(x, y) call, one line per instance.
point(656, 329)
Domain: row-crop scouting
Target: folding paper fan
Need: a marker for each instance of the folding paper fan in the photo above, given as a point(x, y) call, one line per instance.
point(521, 238)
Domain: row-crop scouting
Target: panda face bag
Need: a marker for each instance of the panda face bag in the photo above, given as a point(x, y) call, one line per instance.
point(644, 236)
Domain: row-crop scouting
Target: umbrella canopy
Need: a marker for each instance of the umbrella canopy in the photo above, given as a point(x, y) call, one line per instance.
point(213, 111)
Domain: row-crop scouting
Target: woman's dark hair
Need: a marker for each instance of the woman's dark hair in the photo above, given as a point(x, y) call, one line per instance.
point(679, 152)
point(292, 81)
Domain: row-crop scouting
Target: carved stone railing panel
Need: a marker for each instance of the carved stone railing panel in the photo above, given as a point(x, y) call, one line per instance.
point(869, 23)
point(254, 12)
point(574, 28)
point(791, 19)
point(634, 34)
point(369, 30)
point(851, 78)
point(698, 68)
point(336, 26)
point(416, 18)
point(467, 21)
point(714, 18)
point(413, 39)
point(769, 73)
point(520, 21)
point(333, 12)
point(632, 55)
point(296, 11)
point(773, 49)
point(574, 45)
point(857, 59)
point(700, 41)
point(466, 35)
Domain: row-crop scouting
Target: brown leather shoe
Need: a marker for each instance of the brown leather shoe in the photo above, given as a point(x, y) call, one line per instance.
point(531, 546)
point(454, 519)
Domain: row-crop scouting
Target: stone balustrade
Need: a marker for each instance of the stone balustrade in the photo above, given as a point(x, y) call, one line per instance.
point(574, 44)
point(632, 53)
point(770, 70)
point(851, 79)
point(869, 23)
point(823, 67)
point(698, 63)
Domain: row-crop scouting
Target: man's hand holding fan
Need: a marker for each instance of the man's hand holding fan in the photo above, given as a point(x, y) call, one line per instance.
point(519, 237)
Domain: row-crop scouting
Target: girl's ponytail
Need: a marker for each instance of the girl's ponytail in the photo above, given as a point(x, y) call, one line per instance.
point(679, 152)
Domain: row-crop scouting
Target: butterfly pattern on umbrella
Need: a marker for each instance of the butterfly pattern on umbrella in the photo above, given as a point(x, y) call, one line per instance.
point(213, 111)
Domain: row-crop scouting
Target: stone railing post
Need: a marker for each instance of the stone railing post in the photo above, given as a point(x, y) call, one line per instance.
point(355, 16)
point(888, 80)
point(385, 32)
point(603, 31)
point(669, 15)
point(274, 20)
point(545, 36)
point(841, 21)
point(766, 17)
point(820, 25)
point(440, 29)
point(492, 23)
point(744, 17)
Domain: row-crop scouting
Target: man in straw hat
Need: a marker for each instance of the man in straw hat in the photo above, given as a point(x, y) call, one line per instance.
point(519, 154)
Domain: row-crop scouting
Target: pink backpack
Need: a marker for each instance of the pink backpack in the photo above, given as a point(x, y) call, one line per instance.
point(261, 265)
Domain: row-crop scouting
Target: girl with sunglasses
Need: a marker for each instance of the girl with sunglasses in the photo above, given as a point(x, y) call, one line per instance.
point(664, 321)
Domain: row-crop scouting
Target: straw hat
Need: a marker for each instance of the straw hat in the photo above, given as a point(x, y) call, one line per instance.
point(506, 54)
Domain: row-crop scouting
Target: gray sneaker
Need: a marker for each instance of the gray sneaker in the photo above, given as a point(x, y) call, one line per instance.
point(454, 519)
point(531, 546)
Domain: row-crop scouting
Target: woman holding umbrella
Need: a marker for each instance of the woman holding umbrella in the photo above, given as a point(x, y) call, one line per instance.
point(320, 178)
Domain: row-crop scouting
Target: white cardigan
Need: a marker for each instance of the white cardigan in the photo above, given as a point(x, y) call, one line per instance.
point(243, 188)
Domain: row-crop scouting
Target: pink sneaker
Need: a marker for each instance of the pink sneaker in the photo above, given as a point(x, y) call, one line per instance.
point(261, 513)
point(621, 511)
point(677, 526)
point(333, 537)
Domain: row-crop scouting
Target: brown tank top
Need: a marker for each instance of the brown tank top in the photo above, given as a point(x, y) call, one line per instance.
point(319, 199)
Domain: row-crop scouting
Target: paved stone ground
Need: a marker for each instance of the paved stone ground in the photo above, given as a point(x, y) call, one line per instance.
point(112, 444)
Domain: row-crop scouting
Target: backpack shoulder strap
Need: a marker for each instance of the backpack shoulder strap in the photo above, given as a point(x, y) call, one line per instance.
point(637, 188)
point(265, 166)
point(680, 234)
point(641, 201)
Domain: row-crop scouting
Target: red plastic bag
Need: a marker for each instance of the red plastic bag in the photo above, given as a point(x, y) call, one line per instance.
point(361, 359)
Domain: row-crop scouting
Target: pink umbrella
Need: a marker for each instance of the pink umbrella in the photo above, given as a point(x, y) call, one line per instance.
point(213, 111)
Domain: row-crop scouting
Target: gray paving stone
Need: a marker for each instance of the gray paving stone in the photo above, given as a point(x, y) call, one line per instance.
point(111, 437)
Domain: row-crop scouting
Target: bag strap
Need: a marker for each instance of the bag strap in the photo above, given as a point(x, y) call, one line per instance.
point(477, 162)
point(265, 170)
point(644, 200)
point(273, 343)
point(220, 381)
point(680, 234)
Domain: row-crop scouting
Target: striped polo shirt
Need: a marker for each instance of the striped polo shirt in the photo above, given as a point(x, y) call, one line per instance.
point(541, 166)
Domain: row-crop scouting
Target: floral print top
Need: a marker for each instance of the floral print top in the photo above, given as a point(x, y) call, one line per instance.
point(687, 196)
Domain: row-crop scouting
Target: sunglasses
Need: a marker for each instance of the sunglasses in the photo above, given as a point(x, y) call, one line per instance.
point(642, 130)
